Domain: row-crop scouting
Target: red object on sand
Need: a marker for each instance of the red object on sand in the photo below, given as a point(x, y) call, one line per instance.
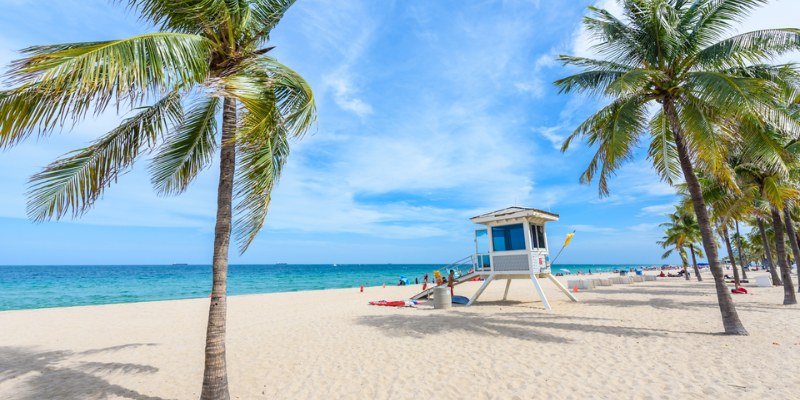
point(740, 290)
point(388, 303)
point(362, 288)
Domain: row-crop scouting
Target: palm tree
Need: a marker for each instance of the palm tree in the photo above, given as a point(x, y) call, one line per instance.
point(682, 230)
point(794, 149)
point(774, 192)
point(740, 248)
point(793, 240)
point(766, 245)
point(670, 242)
point(209, 55)
point(672, 54)
point(727, 204)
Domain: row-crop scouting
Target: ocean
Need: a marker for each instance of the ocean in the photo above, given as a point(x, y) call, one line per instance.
point(40, 286)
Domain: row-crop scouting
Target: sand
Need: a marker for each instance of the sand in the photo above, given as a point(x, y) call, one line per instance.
point(656, 340)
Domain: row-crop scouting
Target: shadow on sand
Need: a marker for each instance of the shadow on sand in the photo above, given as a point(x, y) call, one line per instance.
point(537, 327)
point(75, 380)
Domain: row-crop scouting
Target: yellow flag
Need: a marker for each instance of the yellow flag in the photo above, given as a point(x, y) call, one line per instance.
point(569, 238)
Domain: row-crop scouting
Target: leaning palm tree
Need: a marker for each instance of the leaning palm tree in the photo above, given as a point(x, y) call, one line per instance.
point(788, 217)
point(208, 57)
point(770, 181)
point(674, 56)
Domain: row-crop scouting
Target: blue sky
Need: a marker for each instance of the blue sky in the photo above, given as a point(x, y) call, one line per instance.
point(430, 112)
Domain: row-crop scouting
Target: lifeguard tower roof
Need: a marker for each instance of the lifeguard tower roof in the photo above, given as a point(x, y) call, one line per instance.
point(511, 213)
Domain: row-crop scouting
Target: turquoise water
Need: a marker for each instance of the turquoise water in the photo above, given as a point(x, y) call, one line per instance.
point(38, 286)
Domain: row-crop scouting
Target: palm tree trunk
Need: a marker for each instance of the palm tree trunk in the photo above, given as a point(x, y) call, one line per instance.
point(776, 280)
point(741, 250)
point(727, 238)
point(780, 247)
point(790, 231)
point(215, 375)
point(730, 318)
point(694, 263)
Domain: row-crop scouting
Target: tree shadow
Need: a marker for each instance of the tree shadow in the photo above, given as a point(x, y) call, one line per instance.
point(665, 291)
point(51, 374)
point(522, 326)
point(666, 303)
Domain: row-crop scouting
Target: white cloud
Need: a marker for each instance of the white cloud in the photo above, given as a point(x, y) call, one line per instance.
point(659, 209)
point(592, 228)
point(646, 228)
point(342, 32)
point(344, 95)
point(554, 134)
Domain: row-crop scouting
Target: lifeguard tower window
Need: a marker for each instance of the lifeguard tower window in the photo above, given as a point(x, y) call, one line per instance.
point(508, 237)
point(537, 237)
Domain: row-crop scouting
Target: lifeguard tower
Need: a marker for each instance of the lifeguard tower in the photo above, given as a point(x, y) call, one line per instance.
point(511, 245)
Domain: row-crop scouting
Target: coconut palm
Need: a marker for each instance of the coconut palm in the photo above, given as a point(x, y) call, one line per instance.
point(670, 242)
point(793, 148)
point(673, 56)
point(740, 250)
point(727, 204)
point(210, 56)
point(769, 179)
point(682, 230)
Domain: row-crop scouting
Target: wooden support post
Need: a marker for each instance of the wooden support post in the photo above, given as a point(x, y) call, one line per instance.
point(480, 290)
point(540, 291)
point(508, 285)
point(562, 288)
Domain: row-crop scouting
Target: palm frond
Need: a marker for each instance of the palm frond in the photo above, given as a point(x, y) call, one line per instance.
point(749, 48)
point(121, 68)
point(268, 13)
point(261, 161)
point(278, 105)
point(709, 143)
point(274, 95)
point(777, 192)
point(72, 184)
point(663, 151)
point(188, 150)
point(592, 64)
point(613, 38)
point(615, 129)
point(594, 82)
point(189, 16)
point(61, 83)
point(715, 18)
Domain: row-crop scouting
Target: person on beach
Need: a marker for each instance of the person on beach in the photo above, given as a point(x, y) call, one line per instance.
point(425, 282)
point(451, 280)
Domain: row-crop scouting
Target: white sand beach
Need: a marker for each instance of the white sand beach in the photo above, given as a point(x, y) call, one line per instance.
point(654, 340)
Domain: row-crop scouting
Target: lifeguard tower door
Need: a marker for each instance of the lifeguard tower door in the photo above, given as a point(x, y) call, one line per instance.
point(482, 249)
point(540, 258)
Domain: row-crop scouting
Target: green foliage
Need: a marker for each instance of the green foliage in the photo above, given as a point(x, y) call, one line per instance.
point(207, 51)
point(72, 184)
point(188, 149)
point(676, 52)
